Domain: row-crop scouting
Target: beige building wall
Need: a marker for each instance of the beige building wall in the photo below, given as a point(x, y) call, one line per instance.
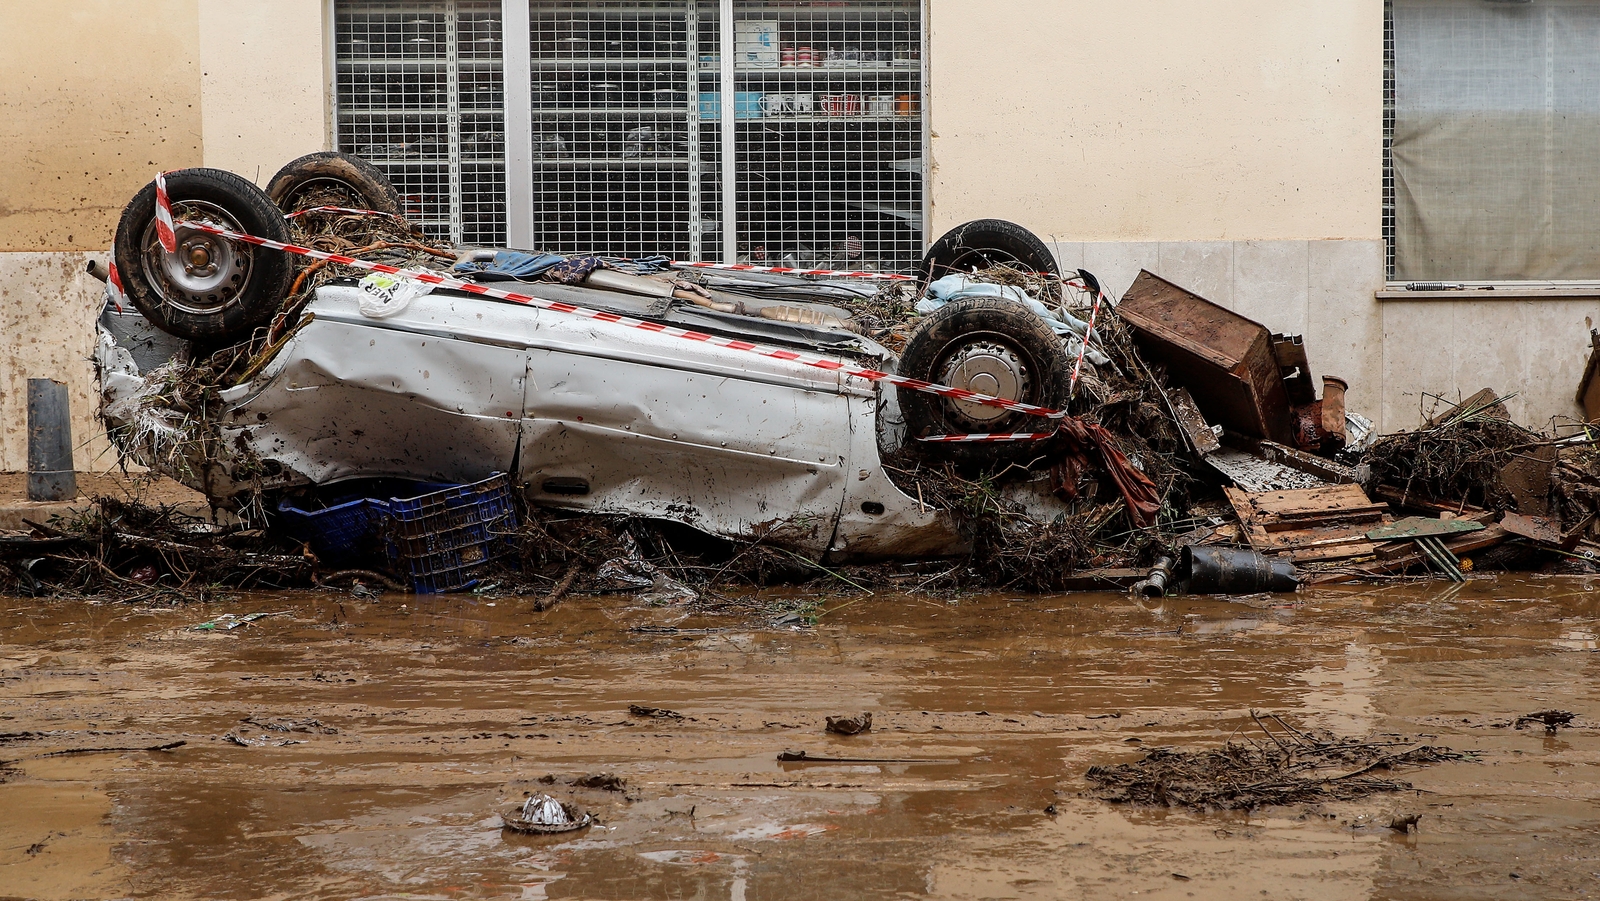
point(1234, 148)
point(263, 70)
point(1157, 120)
point(97, 96)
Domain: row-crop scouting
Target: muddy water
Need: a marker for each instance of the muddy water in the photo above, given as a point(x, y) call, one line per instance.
point(430, 715)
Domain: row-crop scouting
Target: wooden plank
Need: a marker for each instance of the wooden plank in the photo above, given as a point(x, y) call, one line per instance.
point(1421, 526)
point(1309, 524)
point(1545, 530)
point(1407, 501)
point(1338, 552)
point(1310, 500)
point(1301, 520)
point(1103, 579)
point(1193, 422)
point(1486, 403)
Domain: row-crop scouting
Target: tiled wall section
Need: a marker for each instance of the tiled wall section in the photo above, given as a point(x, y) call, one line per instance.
point(1394, 353)
point(1320, 289)
point(1533, 347)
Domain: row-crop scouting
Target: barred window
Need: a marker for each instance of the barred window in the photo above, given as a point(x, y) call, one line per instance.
point(420, 93)
point(622, 114)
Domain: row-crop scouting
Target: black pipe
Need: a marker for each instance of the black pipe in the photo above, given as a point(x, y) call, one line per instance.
point(1228, 570)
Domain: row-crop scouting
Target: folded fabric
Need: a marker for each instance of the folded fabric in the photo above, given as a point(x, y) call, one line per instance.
point(512, 264)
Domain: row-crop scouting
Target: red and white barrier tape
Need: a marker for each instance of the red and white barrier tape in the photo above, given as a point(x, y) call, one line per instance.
point(164, 229)
point(988, 437)
point(685, 264)
point(1083, 345)
point(119, 296)
point(777, 353)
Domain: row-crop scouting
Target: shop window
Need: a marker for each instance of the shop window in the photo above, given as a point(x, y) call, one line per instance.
point(624, 118)
point(1492, 140)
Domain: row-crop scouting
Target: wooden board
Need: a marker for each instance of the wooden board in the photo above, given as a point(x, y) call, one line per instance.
point(1423, 527)
point(1329, 523)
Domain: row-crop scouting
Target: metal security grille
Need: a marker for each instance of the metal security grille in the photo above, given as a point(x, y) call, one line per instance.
point(613, 141)
point(419, 92)
point(1388, 138)
point(616, 137)
point(828, 131)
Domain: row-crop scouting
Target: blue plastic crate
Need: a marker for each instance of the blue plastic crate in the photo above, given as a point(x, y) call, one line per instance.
point(442, 539)
point(341, 534)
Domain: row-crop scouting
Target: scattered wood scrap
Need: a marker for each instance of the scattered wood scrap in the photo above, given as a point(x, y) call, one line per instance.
point(1308, 524)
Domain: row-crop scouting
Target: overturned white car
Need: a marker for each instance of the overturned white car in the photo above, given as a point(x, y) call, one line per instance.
point(385, 378)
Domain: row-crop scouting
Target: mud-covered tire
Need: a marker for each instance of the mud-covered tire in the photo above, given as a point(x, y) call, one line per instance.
point(306, 182)
point(228, 288)
point(982, 244)
point(977, 344)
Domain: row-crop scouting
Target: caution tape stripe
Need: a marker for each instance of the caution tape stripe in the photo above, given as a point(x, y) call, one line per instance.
point(987, 437)
point(119, 295)
point(164, 228)
point(433, 278)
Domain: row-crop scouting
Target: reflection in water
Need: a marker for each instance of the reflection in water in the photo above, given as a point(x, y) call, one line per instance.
point(1341, 700)
point(432, 713)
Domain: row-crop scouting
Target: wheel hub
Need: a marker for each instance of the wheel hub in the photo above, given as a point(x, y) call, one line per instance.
point(207, 272)
point(985, 368)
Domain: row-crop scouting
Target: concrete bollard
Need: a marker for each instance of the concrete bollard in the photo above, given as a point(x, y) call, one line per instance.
point(50, 473)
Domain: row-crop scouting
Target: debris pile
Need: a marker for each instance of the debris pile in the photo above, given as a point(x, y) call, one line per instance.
point(1282, 765)
point(1196, 455)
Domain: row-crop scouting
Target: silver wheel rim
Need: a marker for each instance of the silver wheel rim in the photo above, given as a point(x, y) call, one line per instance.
point(207, 273)
point(985, 367)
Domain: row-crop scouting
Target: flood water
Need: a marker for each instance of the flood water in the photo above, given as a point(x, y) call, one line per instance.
point(420, 718)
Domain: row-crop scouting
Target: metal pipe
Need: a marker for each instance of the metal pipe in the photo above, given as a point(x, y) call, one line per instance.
point(1333, 390)
point(729, 110)
point(1154, 585)
point(50, 473)
point(98, 270)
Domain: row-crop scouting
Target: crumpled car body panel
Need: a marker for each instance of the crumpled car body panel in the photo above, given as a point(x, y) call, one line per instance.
point(590, 415)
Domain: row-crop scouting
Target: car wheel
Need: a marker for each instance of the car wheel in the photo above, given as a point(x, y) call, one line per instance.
point(330, 178)
point(212, 290)
point(982, 244)
point(987, 345)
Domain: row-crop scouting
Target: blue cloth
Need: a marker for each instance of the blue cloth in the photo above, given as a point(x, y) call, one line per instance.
point(513, 264)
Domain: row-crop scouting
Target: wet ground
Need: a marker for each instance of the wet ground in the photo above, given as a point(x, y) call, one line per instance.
point(412, 721)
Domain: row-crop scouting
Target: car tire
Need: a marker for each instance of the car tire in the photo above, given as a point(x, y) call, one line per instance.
point(359, 184)
point(993, 346)
point(229, 288)
point(982, 244)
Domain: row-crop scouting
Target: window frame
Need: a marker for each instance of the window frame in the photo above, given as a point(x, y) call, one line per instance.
point(1457, 289)
point(517, 117)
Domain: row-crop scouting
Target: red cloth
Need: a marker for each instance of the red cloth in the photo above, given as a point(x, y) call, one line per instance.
point(1138, 492)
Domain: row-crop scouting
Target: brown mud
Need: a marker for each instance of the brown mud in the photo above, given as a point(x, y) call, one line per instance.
point(361, 748)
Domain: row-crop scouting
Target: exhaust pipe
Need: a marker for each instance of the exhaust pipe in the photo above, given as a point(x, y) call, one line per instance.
point(99, 270)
